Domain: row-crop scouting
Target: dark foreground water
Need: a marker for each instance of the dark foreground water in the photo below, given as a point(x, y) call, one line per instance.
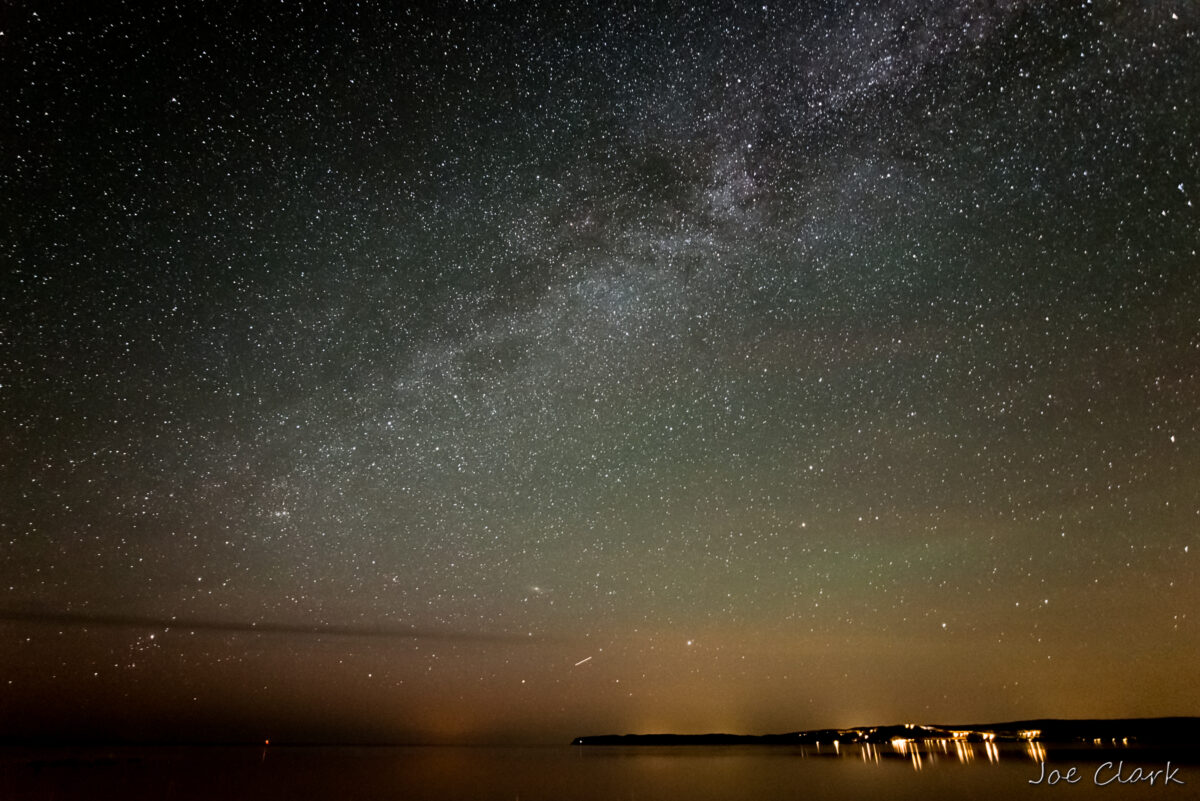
point(566, 773)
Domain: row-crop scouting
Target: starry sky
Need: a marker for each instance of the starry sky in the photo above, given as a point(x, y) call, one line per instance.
point(470, 371)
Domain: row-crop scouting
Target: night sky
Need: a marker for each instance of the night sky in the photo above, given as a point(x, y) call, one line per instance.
point(472, 372)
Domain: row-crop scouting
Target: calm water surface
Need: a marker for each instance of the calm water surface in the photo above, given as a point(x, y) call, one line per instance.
point(569, 773)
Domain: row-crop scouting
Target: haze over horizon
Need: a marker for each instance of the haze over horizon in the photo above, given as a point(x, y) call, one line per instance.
point(475, 372)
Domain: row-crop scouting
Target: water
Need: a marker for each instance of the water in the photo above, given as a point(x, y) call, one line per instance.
point(566, 773)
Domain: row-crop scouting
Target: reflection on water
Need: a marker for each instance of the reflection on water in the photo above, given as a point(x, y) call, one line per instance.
point(930, 751)
point(1035, 750)
point(902, 769)
point(920, 753)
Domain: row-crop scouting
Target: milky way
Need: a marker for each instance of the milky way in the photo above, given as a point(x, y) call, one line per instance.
point(464, 372)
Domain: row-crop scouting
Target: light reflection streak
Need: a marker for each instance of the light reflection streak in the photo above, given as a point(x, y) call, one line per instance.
point(960, 747)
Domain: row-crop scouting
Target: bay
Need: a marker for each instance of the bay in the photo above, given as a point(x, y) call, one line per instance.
point(593, 773)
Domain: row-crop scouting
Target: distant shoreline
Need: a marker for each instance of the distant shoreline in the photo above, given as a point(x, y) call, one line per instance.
point(1092, 731)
